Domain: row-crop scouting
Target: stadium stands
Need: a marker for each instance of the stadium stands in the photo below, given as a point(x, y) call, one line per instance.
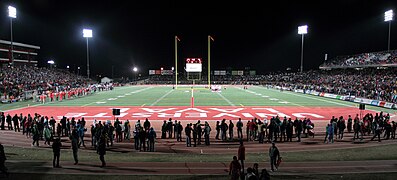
point(16, 81)
point(373, 59)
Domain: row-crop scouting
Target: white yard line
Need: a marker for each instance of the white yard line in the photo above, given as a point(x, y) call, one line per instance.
point(227, 100)
point(281, 100)
point(137, 91)
point(314, 97)
point(161, 98)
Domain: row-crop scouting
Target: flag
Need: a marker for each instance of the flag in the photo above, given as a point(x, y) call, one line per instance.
point(211, 38)
point(176, 37)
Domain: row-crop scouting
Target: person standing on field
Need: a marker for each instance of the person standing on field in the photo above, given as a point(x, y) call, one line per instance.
point(241, 155)
point(234, 169)
point(239, 129)
point(274, 154)
point(56, 149)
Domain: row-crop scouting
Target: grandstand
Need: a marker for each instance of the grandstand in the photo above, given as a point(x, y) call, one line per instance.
point(22, 82)
point(372, 59)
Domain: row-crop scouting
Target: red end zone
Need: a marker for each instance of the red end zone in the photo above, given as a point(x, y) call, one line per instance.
point(188, 113)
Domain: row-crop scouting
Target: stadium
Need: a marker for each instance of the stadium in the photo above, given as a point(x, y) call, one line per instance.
point(188, 118)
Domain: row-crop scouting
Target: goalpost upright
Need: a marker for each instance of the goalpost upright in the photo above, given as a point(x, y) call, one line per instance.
point(176, 61)
point(209, 60)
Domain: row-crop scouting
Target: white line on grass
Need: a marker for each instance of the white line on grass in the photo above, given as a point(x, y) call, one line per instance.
point(274, 99)
point(161, 98)
point(137, 91)
point(315, 98)
point(227, 100)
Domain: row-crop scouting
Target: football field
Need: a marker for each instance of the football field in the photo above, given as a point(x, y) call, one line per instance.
point(185, 103)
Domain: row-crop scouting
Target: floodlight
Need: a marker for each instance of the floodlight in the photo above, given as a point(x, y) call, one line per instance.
point(67, 67)
point(87, 33)
point(172, 68)
point(12, 12)
point(135, 69)
point(389, 15)
point(302, 29)
point(51, 62)
point(78, 67)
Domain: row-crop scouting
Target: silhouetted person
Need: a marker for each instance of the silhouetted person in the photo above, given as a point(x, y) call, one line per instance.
point(56, 149)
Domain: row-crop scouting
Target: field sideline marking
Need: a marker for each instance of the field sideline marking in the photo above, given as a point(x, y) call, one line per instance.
point(136, 91)
point(277, 98)
point(143, 105)
point(227, 100)
point(161, 98)
point(241, 105)
point(315, 98)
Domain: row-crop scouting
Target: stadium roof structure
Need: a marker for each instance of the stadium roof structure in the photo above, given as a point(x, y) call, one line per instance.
point(23, 53)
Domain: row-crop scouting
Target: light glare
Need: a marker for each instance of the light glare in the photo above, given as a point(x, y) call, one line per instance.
point(389, 15)
point(12, 12)
point(50, 62)
point(135, 69)
point(87, 33)
point(302, 29)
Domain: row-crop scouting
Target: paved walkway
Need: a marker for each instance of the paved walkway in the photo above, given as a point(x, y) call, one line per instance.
point(196, 168)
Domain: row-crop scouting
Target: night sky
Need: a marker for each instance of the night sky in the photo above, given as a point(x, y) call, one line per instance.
point(261, 35)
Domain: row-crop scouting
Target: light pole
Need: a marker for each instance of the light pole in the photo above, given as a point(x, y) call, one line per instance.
point(51, 63)
point(87, 33)
point(135, 69)
point(302, 30)
point(388, 18)
point(12, 13)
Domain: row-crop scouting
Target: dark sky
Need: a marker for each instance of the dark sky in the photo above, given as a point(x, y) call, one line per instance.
point(261, 35)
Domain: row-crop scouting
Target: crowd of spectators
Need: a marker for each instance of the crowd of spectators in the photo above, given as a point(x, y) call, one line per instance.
point(378, 84)
point(14, 81)
point(364, 59)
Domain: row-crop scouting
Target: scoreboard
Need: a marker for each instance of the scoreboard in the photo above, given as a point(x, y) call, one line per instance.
point(193, 65)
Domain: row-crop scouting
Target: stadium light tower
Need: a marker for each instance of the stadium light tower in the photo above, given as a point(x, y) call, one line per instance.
point(302, 30)
point(87, 33)
point(388, 18)
point(51, 63)
point(135, 69)
point(12, 13)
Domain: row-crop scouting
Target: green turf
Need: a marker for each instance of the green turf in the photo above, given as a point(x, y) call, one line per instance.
point(167, 96)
